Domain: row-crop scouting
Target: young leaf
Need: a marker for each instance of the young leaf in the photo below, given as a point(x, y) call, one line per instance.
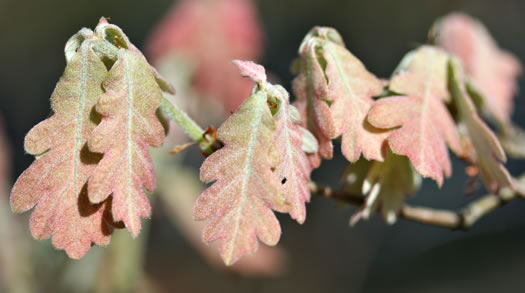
point(295, 168)
point(128, 127)
point(311, 89)
point(491, 70)
point(488, 153)
point(423, 126)
point(351, 87)
point(245, 191)
point(56, 181)
point(386, 186)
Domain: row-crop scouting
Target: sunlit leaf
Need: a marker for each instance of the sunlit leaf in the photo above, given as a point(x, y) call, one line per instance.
point(294, 168)
point(422, 126)
point(352, 87)
point(245, 191)
point(311, 89)
point(488, 154)
point(493, 71)
point(56, 181)
point(128, 127)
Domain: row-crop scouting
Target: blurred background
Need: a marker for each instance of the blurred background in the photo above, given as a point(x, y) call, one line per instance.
point(322, 255)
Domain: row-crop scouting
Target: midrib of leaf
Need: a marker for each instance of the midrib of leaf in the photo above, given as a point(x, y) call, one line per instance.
point(351, 95)
point(247, 170)
point(428, 83)
point(80, 121)
point(129, 124)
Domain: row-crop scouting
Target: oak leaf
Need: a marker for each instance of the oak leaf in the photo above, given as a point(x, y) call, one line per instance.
point(245, 191)
point(311, 90)
point(488, 155)
point(351, 88)
point(420, 122)
point(129, 125)
point(56, 181)
point(492, 70)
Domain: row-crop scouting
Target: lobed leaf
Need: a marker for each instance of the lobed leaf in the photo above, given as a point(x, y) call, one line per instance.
point(56, 181)
point(351, 88)
point(245, 191)
point(421, 125)
point(129, 125)
point(311, 89)
point(488, 154)
point(492, 70)
point(386, 185)
point(294, 168)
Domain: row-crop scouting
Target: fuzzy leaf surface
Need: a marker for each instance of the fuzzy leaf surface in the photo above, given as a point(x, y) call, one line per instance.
point(129, 125)
point(489, 155)
point(492, 70)
point(423, 126)
point(311, 88)
point(56, 181)
point(294, 168)
point(351, 87)
point(245, 191)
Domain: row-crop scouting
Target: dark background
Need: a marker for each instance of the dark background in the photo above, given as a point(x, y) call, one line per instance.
point(325, 255)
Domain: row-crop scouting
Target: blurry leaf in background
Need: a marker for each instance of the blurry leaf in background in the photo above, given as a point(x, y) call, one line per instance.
point(16, 272)
point(492, 70)
point(208, 35)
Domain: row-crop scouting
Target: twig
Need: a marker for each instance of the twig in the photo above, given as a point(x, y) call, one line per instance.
point(462, 219)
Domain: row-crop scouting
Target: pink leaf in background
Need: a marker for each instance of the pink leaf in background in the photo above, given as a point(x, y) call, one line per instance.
point(211, 33)
point(491, 69)
point(128, 127)
point(245, 191)
point(423, 126)
point(56, 181)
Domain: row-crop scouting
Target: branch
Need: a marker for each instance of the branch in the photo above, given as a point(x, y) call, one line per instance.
point(462, 219)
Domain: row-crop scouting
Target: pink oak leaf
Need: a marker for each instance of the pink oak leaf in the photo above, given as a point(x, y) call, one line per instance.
point(128, 127)
point(352, 87)
point(492, 70)
point(245, 191)
point(488, 155)
point(56, 181)
point(295, 167)
point(420, 122)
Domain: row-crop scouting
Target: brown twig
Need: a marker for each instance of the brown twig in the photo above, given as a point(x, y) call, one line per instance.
point(462, 219)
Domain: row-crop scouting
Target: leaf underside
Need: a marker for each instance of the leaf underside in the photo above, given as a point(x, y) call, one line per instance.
point(488, 154)
point(245, 191)
point(351, 88)
point(56, 181)
point(422, 126)
point(129, 125)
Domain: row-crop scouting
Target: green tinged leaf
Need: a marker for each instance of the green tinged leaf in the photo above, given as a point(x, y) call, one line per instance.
point(56, 181)
point(129, 125)
point(245, 191)
point(488, 155)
